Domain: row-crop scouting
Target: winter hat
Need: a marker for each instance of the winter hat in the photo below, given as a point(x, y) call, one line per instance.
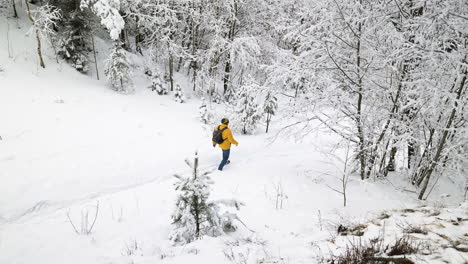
point(225, 121)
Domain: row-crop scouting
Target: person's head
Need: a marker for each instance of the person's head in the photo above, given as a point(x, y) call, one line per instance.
point(225, 121)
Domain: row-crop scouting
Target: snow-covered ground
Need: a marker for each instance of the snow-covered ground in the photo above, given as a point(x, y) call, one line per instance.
point(70, 146)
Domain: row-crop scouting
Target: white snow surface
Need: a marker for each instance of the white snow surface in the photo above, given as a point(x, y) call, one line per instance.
point(68, 143)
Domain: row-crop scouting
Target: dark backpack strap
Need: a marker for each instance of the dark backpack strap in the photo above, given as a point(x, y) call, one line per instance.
point(222, 130)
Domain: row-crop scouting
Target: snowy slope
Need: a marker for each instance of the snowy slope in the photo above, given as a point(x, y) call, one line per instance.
point(70, 144)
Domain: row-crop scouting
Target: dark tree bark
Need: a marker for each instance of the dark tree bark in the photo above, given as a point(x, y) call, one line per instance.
point(39, 49)
point(15, 13)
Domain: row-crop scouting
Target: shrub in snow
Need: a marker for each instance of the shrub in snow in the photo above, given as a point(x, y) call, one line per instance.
point(216, 98)
point(148, 72)
point(205, 115)
point(248, 112)
point(73, 44)
point(196, 216)
point(156, 85)
point(269, 107)
point(118, 69)
point(179, 95)
point(87, 222)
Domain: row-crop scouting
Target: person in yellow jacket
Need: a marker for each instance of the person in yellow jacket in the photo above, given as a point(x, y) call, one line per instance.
point(228, 139)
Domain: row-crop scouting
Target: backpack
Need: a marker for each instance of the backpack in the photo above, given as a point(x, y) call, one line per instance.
point(218, 135)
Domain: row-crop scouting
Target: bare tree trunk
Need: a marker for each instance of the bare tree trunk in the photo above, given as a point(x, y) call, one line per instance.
point(95, 59)
point(138, 37)
point(382, 134)
point(194, 79)
point(15, 14)
point(268, 122)
point(8, 40)
point(445, 134)
point(39, 50)
point(227, 73)
point(171, 71)
point(228, 66)
point(362, 143)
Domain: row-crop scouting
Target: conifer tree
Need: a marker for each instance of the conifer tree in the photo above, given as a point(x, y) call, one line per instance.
point(72, 44)
point(248, 111)
point(205, 115)
point(195, 215)
point(156, 85)
point(118, 70)
point(178, 94)
point(270, 106)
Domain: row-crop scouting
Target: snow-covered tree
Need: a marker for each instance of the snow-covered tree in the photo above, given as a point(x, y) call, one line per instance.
point(73, 43)
point(43, 19)
point(160, 21)
point(205, 114)
point(118, 69)
point(270, 105)
point(195, 215)
point(178, 94)
point(157, 85)
point(247, 111)
point(108, 13)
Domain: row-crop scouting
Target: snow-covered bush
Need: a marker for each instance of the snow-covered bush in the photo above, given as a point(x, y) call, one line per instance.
point(270, 105)
point(248, 111)
point(72, 44)
point(178, 94)
point(157, 85)
point(216, 98)
point(205, 115)
point(118, 69)
point(196, 216)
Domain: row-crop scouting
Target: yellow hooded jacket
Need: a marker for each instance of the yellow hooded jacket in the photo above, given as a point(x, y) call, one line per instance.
point(227, 136)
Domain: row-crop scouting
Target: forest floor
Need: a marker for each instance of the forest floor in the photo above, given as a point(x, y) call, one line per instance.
point(72, 149)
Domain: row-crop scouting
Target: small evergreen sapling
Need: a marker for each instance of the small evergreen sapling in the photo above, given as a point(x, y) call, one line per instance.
point(196, 216)
point(118, 70)
point(248, 111)
point(156, 85)
point(178, 94)
point(205, 115)
point(270, 106)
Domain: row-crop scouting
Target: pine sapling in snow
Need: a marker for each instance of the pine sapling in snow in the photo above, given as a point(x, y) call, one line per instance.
point(118, 70)
point(196, 216)
point(270, 106)
point(178, 94)
point(205, 115)
point(156, 85)
point(248, 111)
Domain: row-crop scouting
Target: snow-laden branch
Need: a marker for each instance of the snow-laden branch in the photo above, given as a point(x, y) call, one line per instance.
point(108, 12)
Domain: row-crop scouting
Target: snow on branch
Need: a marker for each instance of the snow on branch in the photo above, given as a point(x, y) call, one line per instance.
point(108, 12)
point(45, 19)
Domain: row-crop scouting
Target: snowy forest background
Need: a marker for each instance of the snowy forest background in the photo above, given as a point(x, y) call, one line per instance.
point(387, 78)
point(394, 71)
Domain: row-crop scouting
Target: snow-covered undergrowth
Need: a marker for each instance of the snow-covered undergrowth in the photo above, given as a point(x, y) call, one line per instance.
point(86, 177)
point(425, 234)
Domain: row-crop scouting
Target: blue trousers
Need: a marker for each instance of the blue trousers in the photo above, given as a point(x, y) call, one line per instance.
point(225, 160)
